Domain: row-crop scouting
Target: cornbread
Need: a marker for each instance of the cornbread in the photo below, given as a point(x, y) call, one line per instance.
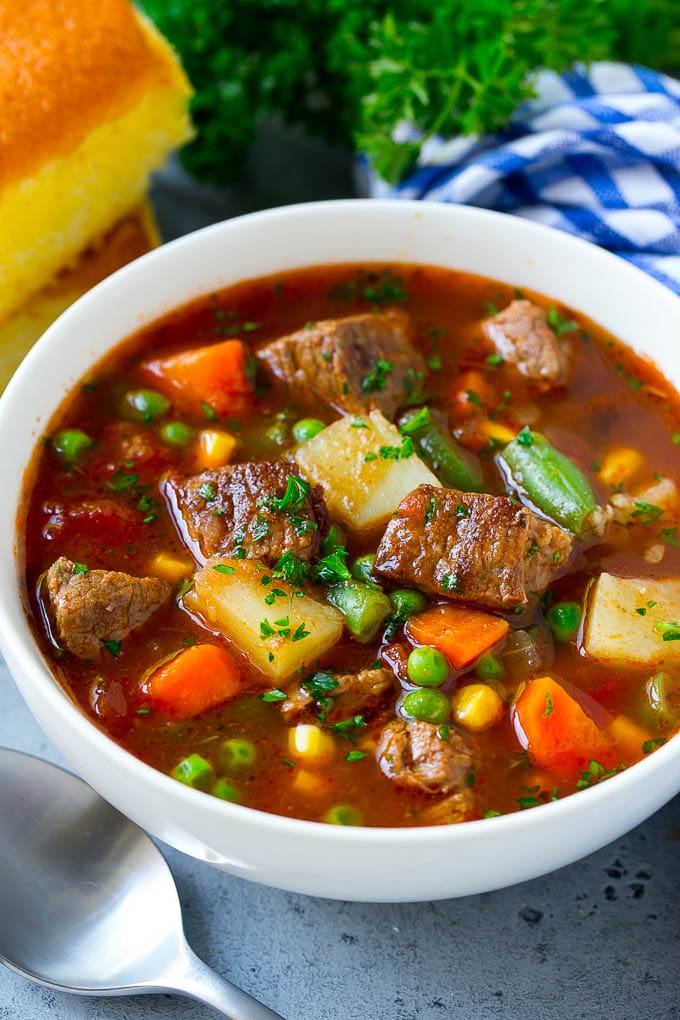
point(131, 237)
point(92, 99)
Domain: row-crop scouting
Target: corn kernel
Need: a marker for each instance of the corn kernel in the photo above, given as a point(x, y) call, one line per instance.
point(494, 430)
point(214, 448)
point(310, 784)
point(476, 707)
point(311, 743)
point(628, 736)
point(620, 465)
point(170, 568)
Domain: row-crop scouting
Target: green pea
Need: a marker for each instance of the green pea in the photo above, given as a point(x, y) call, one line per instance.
point(427, 706)
point(427, 667)
point(490, 668)
point(564, 619)
point(193, 771)
point(144, 405)
point(70, 445)
point(334, 538)
point(362, 569)
point(306, 429)
point(226, 791)
point(343, 814)
point(176, 433)
point(406, 602)
point(238, 753)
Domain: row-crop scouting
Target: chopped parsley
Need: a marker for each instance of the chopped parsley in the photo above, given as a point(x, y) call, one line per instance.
point(209, 413)
point(474, 398)
point(461, 510)
point(291, 568)
point(669, 629)
point(122, 481)
point(223, 568)
point(430, 509)
point(273, 595)
point(595, 773)
point(275, 694)
point(525, 438)
point(646, 513)
point(491, 813)
point(293, 498)
point(347, 725)
point(333, 568)
point(528, 802)
point(376, 379)
point(359, 423)
point(113, 647)
point(300, 633)
point(80, 568)
point(494, 360)
point(650, 745)
point(669, 536)
point(559, 323)
point(548, 705)
point(184, 586)
point(260, 529)
point(450, 582)
point(355, 756)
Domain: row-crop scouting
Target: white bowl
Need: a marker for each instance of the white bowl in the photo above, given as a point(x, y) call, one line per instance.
point(326, 860)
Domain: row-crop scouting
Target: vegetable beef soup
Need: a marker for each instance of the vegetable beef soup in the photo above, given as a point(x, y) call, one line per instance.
point(370, 545)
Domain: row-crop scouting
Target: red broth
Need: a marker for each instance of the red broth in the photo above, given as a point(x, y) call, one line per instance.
point(108, 512)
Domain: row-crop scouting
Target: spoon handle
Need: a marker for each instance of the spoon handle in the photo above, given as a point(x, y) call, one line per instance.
point(200, 982)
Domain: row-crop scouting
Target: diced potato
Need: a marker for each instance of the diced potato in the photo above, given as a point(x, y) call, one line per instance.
point(362, 486)
point(311, 743)
point(621, 619)
point(280, 638)
point(310, 784)
point(170, 568)
point(628, 736)
point(646, 503)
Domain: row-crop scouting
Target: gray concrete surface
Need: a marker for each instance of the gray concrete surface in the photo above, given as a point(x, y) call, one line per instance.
point(596, 941)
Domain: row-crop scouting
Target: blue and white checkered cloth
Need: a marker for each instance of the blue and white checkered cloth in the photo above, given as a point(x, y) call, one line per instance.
point(596, 154)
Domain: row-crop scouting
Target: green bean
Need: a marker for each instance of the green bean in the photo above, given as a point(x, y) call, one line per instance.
point(226, 791)
point(663, 698)
point(238, 753)
point(550, 480)
point(427, 706)
point(454, 466)
point(193, 771)
point(427, 667)
point(564, 619)
point(144, 405)
point(490, 668)
point(176, 433)
point(362, 569)
point(306, 429)
point(343, 814)
point(70, 445)
point(406, 603)
point(363, 606)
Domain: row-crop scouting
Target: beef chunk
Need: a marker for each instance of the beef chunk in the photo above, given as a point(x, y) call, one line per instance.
point(471, 547)
point(522, 336)
point(355, 693)
point(219, 512)
point(458, 807)
point(99, 605)
point(418, 755)
point(355, 364)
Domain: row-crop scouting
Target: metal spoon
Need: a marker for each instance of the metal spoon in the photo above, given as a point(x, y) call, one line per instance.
point(87, 902)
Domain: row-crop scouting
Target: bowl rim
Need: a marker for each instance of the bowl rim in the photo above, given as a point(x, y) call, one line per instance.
point(24, 650)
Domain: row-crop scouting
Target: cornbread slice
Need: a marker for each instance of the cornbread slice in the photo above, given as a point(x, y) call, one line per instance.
point(131, 237)
point(92, 100)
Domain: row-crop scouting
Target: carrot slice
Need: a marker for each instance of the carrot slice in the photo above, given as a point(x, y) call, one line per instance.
point(193, 681)
point(216, 377)
point(562, 728)
point(461, 634)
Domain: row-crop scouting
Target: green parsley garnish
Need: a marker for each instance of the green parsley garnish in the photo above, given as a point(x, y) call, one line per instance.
point(354, 756)
point(558, 323)
point(669, 629)
point(376, 379)
point(113, 647)
point(297, 490)
point(650, 745)
point(223, 568)
point(275, 694)
point(80, 568)
point(646, 513)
